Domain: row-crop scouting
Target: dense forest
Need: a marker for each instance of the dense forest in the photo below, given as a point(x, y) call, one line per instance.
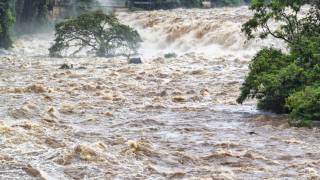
point(19, 17)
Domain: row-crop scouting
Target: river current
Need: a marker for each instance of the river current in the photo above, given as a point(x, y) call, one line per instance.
point(172, 118)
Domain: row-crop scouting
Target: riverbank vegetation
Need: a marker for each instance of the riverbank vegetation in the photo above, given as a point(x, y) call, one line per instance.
point(6, 21)
point(19, 17)
point(286, 83)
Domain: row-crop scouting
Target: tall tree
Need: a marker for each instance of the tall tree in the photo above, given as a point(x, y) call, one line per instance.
point(31, 16)
point(6, 21)
point(100, 33)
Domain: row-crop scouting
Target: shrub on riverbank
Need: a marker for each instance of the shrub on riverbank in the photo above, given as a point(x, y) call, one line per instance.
point(286, 82)
point(6, 21)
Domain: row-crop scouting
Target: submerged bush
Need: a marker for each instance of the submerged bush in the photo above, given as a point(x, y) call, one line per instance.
point(170, 55)
point(190, 3)
point(263, 80)
point(304, 106)
point(286, 82)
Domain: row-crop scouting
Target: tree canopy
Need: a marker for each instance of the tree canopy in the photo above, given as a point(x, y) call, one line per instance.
point(31, 16)
point(101, 33)
point(286, 82)
point(6, 21)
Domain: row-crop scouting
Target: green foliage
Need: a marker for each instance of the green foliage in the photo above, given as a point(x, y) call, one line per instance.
point(190, 3)
point(264, 81)
point(83, 5)
point(304, 106)
point(228, 3)
point(6, 21)
point(100, 32)
point(170, 55)
point(292, 28)
point(167, 4)
point(286, 82)
point(133, 9)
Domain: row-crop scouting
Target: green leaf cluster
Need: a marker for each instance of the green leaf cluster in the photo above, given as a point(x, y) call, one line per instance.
point(190, 3)
point(6, 21)
point(167, 4)
point(286, 82)
point(304, 106)
point(83, 5)
point(292, 28)
point(100, 32)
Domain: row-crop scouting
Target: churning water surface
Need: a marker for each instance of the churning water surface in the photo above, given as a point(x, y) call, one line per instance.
point(163, 119)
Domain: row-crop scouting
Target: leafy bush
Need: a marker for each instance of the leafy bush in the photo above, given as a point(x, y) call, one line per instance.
point(6, 21)
point(100, 32)
point(84, 5)
point(263, 81)
point(286, 82)
point(190, 3)
point(304, 106)
point(166, 4)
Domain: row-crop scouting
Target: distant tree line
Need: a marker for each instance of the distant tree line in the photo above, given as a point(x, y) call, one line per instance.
point(171, 4)
point(18, 17)
point(6, 21)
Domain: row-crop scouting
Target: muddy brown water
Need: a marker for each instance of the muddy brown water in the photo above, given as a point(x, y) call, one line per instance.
point(163, 119)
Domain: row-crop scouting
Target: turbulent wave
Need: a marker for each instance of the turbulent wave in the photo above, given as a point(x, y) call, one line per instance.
point(172, 118)
point(214, 31)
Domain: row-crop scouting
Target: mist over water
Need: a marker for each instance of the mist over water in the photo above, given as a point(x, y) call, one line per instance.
point(215, 32)
point(164, 119)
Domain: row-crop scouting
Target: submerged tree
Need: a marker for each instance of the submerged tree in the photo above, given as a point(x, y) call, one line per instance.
point(286, 82)
point(101, 33)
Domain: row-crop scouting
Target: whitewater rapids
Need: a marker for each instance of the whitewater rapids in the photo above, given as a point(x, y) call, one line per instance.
point(163, 119)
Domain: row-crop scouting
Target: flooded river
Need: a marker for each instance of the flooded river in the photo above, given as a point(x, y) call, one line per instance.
point(170, 118)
